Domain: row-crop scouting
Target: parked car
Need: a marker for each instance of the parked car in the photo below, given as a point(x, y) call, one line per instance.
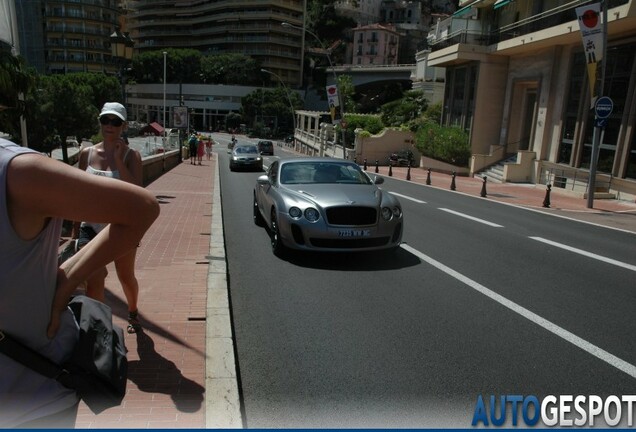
point(246, 156)
point(324, 204)
point(403, 158)
point(266, 147)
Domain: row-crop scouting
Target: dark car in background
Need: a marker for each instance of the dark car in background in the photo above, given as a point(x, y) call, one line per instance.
point(266, 147)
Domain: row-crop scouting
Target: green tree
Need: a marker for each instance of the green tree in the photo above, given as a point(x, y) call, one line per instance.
point(231, 69)
point(347, 90)
point(271, 103)
point(403, 111)
point(15, 80)
point(182, 65)
point(65, 105)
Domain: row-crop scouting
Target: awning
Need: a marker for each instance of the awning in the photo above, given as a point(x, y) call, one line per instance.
point(500, 3)
point(466, 9)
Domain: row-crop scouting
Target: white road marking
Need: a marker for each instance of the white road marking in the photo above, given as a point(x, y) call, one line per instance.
point(485, 222)
point(587, 254)
point(597, 352)
point(408, 198)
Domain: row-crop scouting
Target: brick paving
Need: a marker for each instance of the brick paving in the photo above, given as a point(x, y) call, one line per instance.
point(167, 377)
point(166, 386)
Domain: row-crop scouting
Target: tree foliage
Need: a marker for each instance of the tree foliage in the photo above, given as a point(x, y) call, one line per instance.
point(231, 69)
point(67, 105)
point(403, 111)
point(271, 103)
point(182, 65)
point(448, 144)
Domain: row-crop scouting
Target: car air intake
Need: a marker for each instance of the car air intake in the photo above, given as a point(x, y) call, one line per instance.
point(349, 243)
point(350, 215)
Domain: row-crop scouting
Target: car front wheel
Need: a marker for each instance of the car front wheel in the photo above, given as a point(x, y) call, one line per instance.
point(277, 244)
point(258, 217)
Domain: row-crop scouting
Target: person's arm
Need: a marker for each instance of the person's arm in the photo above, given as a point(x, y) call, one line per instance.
point(130, 166)
point(39, 188)
point(82, 165)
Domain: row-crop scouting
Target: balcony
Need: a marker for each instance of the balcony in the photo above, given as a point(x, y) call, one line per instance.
point(542, 21)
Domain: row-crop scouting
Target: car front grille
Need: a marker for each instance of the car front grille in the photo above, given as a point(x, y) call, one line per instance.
point(349, 243)
point(350, 215)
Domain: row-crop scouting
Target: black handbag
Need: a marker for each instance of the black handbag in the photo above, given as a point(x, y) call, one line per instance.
point(97, 369)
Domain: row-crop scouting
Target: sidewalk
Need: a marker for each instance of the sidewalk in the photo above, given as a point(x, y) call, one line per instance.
point(167, 361)
point(184, 305)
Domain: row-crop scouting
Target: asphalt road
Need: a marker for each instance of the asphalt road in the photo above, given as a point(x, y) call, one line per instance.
point(482, 298)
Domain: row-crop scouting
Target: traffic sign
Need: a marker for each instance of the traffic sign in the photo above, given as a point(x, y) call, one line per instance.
point(603, 107)
point(600, 122)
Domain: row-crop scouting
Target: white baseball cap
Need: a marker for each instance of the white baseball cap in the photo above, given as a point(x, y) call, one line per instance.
point(114, 108)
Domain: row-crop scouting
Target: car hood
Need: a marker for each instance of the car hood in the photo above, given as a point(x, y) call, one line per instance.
point(328, 195)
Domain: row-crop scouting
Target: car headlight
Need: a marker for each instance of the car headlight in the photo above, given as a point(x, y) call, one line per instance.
point(295, 212)
point(258, 158)
point(312, 215)
point(387, 213)
point(397, 212)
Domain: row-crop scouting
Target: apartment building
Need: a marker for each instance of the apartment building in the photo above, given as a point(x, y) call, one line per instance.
point(67, 36)
point(363, 12)
point(516, 80)
point(249, 27)
point(375, 44)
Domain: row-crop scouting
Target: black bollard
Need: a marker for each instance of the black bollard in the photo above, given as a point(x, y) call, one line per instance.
point(453, 182)
point(546, 200)
point(377, 166)
point(428, 177)
point(390, 169)
point(365, 164)
point(408, 173)
point(483, 188)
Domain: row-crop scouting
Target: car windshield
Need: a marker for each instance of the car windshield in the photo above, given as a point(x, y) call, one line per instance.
point(245, 150)
point(322, 172)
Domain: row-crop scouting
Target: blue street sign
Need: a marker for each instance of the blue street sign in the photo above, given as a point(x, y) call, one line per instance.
point(603, 107)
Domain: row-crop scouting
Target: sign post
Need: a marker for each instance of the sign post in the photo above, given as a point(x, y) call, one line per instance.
point(594, 35)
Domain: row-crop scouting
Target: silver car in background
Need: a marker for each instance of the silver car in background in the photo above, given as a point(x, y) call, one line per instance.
point(246, 156)
point(325, 204)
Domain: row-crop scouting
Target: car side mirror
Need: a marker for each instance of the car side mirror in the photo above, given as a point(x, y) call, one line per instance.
point(263, 180)
point(378, 180)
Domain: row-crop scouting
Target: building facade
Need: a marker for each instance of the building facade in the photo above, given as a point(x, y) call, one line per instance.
point(375, 44)
point(250, 27)
point(516, 80)
point(68, 36)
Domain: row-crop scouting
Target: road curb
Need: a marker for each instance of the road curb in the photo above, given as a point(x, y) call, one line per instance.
point(222, 402)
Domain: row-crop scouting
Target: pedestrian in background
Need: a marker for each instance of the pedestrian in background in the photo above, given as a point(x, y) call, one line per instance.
point(112, 158)
point(193, 144)
point(200, 149)
point(208, 147)
point(37, 193)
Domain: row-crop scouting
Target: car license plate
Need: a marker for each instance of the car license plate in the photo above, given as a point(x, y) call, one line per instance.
point(354, 233)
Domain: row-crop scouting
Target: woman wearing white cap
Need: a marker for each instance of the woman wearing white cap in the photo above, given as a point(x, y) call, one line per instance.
point(113, 158)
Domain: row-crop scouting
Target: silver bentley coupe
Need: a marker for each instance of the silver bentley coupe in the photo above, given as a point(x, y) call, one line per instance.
point(324, 204)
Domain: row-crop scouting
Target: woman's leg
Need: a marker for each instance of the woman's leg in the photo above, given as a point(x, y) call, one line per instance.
point(95, 285)
point(125, 267)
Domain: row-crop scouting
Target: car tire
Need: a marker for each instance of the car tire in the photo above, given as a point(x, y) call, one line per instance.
point(258, 217)
point(278, 248)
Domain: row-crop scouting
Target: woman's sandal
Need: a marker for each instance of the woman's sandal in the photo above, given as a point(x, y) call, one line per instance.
point(133, 322)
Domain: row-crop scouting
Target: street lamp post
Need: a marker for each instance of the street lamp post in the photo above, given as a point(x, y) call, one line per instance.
point(121, 45)
point(165, 124)
point(335, 78)
point(288, 97)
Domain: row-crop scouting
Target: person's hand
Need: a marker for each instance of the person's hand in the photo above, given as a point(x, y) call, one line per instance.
point(120, 149)
point(60, 301)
